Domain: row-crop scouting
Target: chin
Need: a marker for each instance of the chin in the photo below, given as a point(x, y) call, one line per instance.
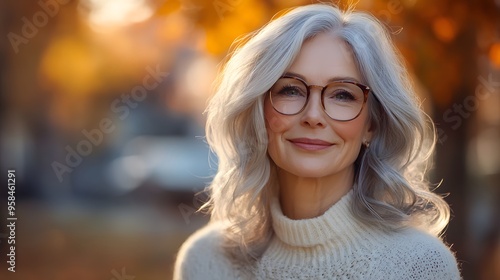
point(312, 172)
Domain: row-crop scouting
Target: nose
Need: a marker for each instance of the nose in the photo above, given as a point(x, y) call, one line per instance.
point(314, 114)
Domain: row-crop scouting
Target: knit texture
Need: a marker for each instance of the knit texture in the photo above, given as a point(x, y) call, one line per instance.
point(334, 245)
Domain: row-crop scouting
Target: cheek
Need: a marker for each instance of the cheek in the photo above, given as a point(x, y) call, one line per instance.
point(276, 126)
point(352, 131)
point(275, 122)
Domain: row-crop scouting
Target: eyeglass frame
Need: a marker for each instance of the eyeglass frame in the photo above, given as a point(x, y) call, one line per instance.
point(364, 88)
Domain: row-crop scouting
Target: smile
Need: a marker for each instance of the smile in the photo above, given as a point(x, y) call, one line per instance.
point(310, 144)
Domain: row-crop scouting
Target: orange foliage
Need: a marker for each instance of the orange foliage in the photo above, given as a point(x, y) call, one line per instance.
point(494, 54)
point(445, 29)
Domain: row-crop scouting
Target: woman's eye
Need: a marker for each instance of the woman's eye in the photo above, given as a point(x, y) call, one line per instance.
point(343, 95)
point(292, 91)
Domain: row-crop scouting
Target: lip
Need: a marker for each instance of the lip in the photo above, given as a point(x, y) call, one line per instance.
point(310, 144)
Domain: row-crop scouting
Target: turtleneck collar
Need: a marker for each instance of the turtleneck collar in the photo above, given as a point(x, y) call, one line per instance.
point(337, 224)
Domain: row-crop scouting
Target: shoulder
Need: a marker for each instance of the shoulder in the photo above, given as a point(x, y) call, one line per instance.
point(418, 255)
point(201, 256)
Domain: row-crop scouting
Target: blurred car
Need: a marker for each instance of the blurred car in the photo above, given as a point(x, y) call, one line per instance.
point(175, 163)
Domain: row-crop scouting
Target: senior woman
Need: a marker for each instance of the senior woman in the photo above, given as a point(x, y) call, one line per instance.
point(322, 150)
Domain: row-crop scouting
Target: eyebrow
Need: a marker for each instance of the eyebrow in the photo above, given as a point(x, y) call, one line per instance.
point(333, 79)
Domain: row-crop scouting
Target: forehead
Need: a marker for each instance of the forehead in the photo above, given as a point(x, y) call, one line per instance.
point(324, 57)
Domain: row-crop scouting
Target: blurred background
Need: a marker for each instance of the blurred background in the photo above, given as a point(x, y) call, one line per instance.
point(101, 116)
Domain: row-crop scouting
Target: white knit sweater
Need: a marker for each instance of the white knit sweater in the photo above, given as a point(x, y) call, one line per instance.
point(334, 245)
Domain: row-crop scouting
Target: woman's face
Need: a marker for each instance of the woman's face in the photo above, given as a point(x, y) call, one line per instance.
point(311, 144)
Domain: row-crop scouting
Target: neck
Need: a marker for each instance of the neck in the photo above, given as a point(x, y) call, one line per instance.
point(305, 198)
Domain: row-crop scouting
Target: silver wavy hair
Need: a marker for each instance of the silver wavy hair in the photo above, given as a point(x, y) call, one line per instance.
point(390, 189)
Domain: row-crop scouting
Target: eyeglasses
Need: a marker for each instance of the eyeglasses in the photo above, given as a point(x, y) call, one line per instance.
point(341, 100)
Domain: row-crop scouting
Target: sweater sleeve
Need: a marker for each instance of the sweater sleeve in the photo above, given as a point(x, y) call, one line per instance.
point(201, 257)
point(434, 259)
point(417, 255)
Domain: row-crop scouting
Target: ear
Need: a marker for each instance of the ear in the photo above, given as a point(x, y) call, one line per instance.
point(368, 134)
